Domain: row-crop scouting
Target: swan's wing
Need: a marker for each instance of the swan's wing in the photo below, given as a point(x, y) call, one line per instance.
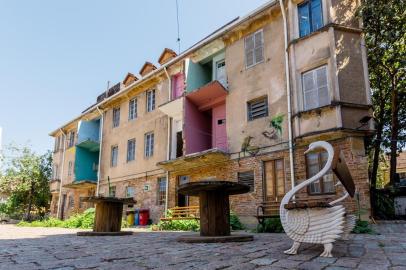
point(326, 224)
point(315, 225)
point(297, 223)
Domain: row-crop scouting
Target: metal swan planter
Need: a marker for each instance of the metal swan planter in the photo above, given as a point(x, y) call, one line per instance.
point(319, 225)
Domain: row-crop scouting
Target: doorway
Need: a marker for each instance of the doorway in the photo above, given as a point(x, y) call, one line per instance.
point(63, 207)
point(182, 199)
point(274, 173)
point(221, 75)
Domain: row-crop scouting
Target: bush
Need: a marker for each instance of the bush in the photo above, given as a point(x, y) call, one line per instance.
point(235, 222)
point(270, 225)
point(362, 226)
point(179, 225)
point(80, 221)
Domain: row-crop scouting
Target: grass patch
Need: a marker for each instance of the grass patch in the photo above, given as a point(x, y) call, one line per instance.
point(179, 225)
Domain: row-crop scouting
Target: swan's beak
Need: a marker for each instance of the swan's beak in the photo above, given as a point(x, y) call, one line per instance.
point(308, 150)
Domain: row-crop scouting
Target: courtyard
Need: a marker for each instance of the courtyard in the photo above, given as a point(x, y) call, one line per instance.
point(57, 248)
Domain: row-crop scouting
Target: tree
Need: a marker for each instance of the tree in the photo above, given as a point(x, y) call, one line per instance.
point(25, 182)
point(384, 23)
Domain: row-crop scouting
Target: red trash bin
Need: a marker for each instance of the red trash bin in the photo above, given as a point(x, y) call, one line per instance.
point(144, 217)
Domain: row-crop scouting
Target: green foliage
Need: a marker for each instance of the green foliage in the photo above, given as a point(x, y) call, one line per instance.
point(25, 182)
point(270, 225)
point(235, 222)
point(81, 221)
point(179, 225)
point(276, 123)
point(362, 226)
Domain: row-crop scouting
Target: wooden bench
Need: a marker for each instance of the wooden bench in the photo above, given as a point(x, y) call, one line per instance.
point(270, 209)
point(267, 209)
point(182, 213)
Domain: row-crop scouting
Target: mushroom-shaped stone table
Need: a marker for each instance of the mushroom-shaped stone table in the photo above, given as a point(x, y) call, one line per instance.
point(214, 206)
point(108, 216)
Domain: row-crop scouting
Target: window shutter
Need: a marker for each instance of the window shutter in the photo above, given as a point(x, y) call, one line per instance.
point(315, 88)
point(249, 51)
point(259, 57)
point(247, 178)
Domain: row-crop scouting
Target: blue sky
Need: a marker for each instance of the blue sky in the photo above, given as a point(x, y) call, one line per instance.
point(57, 56)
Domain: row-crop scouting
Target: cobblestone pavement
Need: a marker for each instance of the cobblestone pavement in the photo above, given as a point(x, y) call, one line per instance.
point(55, 248)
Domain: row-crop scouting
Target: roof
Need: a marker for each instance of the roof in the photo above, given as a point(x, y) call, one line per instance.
point(216, 34)
point(147, 68)
point(166, 55)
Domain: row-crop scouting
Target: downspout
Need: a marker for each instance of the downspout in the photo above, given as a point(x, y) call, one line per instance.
point(287, 73)
point(168, 148)
point(62, 167)
point(100, 151)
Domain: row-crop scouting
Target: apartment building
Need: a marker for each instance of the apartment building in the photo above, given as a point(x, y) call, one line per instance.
point(240, 105)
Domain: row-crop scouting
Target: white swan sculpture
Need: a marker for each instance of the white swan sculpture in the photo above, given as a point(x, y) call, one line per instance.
point(317, 225)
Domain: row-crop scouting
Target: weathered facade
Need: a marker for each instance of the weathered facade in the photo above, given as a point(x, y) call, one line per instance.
point(224, 110)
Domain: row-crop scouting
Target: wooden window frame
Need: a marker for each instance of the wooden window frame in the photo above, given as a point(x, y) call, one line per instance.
point(149, 148)
point(254, 63)
point(112, 164)
point(322, 193)
point(311, 30)
point(151, 104)
point(128, 150)
point(116, 117)
point(161, 194)
point(264, 185)
point(132, 109)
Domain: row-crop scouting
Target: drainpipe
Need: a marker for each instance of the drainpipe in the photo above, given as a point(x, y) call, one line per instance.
point(168, 149)
point(101, 147)
point(287, 73)
point(60, 184)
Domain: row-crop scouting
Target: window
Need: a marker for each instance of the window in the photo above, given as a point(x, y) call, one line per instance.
point(310, 17)
point(314, 163)
point(150, 100)
point(254, 49)
point(257, 108)
point(132, 109)
point(71, 202)
point(247, 178)
point(114, 156)
point(71, 139)
point(81, 202)
point(161, 190)
point(55, 173)
point(315, 89)
point(130, 150)
point(70, 168)
point(149, 144)
point(112, 191)
point(130, 192)
point(116, 117)
point(57, 143)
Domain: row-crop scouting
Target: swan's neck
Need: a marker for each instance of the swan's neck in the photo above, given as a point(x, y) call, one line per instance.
point(326, 168)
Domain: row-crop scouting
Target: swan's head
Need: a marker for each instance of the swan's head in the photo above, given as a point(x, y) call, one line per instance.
point(313, 146)
point(319, 144)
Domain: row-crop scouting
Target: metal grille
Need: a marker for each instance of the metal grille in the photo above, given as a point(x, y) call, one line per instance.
point(247, 178)
point(257, 108)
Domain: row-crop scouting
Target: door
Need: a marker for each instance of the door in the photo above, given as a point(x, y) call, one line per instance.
point(219, 139)
point(178, 85)
point(63, 206)
point(179, 144)
point(221, 75)
point(182, 199)
point(274, 180)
